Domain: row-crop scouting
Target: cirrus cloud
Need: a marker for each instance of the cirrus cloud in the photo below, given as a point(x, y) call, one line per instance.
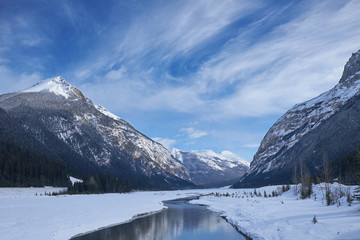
point(193, 133)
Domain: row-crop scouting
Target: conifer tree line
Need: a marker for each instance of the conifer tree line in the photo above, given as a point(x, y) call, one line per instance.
point(101, 183)
point(345, 170)
point(23, 168)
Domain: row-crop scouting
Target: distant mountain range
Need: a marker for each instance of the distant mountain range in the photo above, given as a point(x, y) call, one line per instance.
point(323, 129)
point(56, 119)
point(211, 169)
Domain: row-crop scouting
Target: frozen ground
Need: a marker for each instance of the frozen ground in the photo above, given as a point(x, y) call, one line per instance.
point(287, 216)
point(29, 214)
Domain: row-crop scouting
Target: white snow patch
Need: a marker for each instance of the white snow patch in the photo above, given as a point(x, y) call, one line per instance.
point(27, 192)
point(75, 180)
point(106, 112)
point(268, 167)
point(177, 154)
point(234, 157)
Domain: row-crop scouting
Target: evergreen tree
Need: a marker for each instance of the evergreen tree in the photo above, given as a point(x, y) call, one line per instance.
point(21, 168)
point(314, 219)
point(356, 193)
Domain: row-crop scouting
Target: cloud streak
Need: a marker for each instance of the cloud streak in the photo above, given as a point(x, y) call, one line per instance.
point(298, 59)
point(214, 62)
point(193, 133)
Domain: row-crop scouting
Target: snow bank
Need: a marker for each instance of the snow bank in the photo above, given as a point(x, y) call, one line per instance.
point(287, 216)
point(27, 215)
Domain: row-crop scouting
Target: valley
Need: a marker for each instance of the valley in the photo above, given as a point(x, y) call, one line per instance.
point(25, 212)
point(179, 120)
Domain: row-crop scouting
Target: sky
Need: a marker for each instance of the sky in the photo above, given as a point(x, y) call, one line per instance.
point(190, 74)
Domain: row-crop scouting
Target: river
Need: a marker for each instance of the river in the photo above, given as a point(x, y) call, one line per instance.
point(180, 221)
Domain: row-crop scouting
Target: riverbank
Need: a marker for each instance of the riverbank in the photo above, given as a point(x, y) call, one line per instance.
point(31, 214)
point(287, 216)
point(27, 213)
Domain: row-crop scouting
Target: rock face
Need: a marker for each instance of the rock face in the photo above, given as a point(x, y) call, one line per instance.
point(352, 68)
point(211, 169)
point(69, 127)
point(325, 127)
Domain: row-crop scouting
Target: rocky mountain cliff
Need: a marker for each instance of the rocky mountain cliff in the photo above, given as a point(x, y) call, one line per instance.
point(325, 127)
point(211, 169)
point(67, 126)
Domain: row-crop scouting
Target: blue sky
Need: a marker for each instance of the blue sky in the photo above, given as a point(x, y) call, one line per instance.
point(191, 74)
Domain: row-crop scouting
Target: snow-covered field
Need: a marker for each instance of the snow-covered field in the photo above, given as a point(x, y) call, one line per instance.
point(26, 213)
point(287, 216)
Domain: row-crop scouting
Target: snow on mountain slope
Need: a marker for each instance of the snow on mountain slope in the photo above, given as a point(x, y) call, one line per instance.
point(220, 160)
point(56, 85)
point(207, 167)
point(232, 156)
point(305, 118)
point(106, 112)
point(91, 131)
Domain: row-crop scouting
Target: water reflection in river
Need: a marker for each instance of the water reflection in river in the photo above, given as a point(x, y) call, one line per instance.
point(181, 221)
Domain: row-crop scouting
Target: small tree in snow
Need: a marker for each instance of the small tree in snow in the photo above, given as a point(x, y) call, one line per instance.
point(295, 179)
point(314, 219)
point(329, 196)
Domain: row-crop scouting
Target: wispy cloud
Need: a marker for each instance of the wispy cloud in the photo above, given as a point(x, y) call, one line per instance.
point(150, 51)
point(193, 133)
point(207, 60)
point(296, 60)
point(178, 27)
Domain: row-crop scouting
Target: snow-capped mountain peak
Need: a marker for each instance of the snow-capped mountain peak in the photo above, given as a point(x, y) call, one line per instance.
point(301, 119)
point(58, 86)
point(93, 135)
point(286, 136)
point(210, 168)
